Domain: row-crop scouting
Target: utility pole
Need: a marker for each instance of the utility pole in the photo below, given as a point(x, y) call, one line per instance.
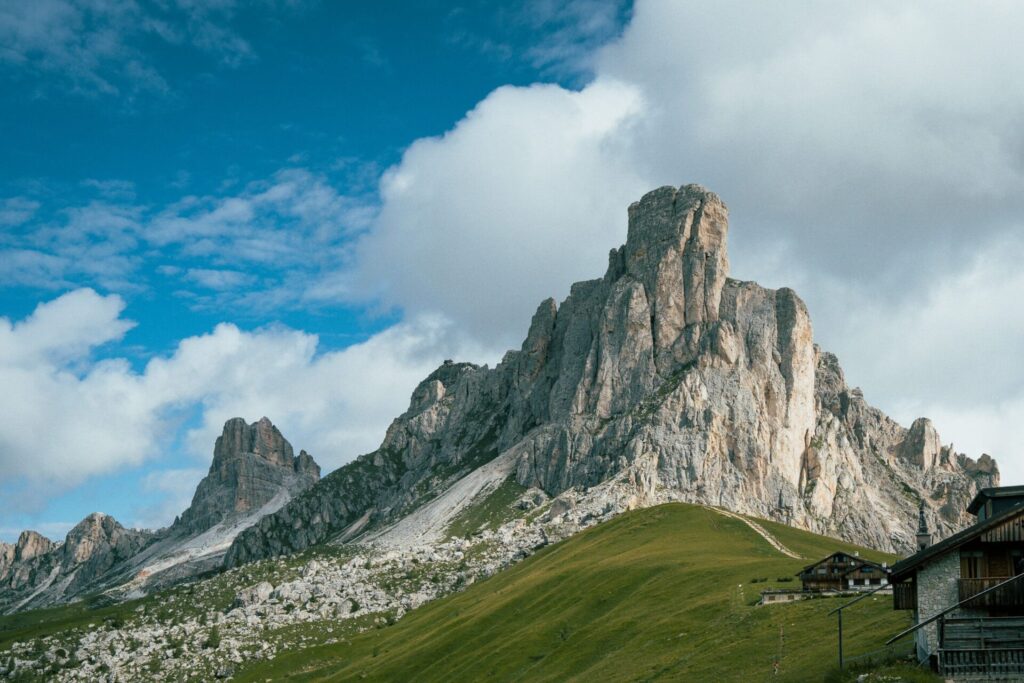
point(840, 613)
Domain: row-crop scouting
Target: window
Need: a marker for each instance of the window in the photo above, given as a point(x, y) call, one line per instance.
point(876, 582)
point(822, 570)
point(971, 564)
point(867, 570)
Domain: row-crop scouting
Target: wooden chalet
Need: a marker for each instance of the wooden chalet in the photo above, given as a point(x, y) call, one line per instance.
point(968, 604)
point(843, 572)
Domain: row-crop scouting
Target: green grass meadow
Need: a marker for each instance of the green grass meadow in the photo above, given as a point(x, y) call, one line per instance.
point(666, 593)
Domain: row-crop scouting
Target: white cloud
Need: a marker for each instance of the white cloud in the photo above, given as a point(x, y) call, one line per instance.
point(869, 154)
point(864, 135)
point(168, 493)
point(97, 47)
point(524, 196)
point(103, 416)
point(63, 330)
point(219, 279)
point(17, 210)
point(294, 229)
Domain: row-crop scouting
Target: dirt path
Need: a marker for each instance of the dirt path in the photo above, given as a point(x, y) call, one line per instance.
point(762, 532)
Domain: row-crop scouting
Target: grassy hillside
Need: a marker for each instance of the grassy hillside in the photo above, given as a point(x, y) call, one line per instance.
point(666, 593)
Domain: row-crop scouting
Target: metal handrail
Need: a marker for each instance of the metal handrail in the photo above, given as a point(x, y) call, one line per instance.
point(946, 611)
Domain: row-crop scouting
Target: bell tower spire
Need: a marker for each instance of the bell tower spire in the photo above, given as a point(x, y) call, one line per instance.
point(924, 537)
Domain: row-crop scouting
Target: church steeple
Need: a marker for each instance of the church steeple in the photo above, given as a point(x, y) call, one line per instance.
point(924, 537)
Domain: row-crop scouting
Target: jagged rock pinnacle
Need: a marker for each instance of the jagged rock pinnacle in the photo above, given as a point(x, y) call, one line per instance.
point(252, 463)
point(668, 375)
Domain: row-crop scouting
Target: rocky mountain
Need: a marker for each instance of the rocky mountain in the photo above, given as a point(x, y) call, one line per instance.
point(43, 572)
point(666, 378)
point(252, 464)
point(254, 472)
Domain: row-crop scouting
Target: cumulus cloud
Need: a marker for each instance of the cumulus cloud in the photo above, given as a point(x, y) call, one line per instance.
point(864, 135)
point(168, 493)
point(868, 153)
point(47, 393)
point(523, 196)
point(102, 416)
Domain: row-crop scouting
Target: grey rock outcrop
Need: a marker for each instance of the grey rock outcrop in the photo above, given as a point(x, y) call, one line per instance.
point(43, 572)
point(254, 472)
point(690, 385)
point(252, 464)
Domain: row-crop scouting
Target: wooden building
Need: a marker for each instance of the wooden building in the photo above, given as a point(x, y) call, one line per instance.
point(968, 607)
point(842, 571)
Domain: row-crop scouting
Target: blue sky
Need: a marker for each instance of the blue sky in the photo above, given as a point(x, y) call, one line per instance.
point(321, 88)
point(298, 208)
point(126, 125)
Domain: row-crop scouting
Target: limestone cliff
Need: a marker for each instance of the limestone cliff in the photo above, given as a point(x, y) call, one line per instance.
point(43, 572)
point(254, 472)
point(251, 465)
point(672, 376)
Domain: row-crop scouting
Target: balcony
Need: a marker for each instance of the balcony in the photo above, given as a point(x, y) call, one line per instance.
point(1007, 596)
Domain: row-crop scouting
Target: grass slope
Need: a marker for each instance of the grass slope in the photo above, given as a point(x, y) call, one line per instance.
point(658, 594)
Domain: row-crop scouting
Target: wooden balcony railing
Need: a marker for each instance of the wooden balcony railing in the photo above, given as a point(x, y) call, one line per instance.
point(982, 664)
point(1011, 595)
point(904, 595)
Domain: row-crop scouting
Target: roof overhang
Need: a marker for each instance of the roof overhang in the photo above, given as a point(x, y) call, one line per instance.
point(905, 568)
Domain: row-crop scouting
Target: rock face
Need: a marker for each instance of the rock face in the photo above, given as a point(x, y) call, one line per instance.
point(254, 473)
point(43, 569)
point(251, 465)
point(671, 376)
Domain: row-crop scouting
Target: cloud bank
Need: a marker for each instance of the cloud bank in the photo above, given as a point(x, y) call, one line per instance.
point(65, 416)
point(869, 153)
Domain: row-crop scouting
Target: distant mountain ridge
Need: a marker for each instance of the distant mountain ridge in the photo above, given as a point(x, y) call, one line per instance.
point(669, 378)
point(254, 472)
point(664, 380)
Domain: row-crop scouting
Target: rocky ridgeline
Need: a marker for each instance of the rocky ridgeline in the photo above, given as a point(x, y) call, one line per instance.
point(42, 572)
point(664, 380)
point(254, 472)
point(281, 604)
point(688, 384)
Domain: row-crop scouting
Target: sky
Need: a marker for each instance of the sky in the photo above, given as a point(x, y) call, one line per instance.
point(298, 209)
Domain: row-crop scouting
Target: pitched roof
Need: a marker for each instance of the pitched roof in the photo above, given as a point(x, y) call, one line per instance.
point(867, 563)
point(823, 560)
point(996, 492)
point(858, 562)
point(903, 568)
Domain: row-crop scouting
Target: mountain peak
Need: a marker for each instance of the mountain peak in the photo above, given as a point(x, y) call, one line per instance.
point(253, 465)
point(676, 249)
point(32, 544)
point(671, 378)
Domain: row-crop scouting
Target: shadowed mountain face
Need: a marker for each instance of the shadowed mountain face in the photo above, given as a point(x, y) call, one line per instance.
point(254, 473)
point(671, 377)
